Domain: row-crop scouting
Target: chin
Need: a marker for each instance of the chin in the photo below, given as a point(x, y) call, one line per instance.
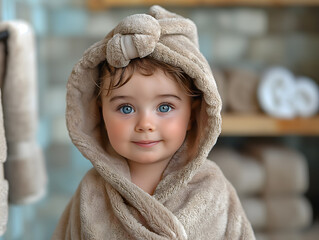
point(147, 159)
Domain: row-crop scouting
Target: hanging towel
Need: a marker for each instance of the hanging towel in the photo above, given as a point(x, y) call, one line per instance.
point(3, 145)
point(3, 182)
point(24, 168)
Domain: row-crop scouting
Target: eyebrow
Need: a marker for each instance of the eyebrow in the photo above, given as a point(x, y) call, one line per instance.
point(169, 95)
point(119, 97)
point(159, 96)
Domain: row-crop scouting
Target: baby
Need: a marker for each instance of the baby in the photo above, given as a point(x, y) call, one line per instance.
point(143, 107)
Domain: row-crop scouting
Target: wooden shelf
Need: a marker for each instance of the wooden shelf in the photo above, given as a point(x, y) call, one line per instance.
point(101, 4)
point(263, 125)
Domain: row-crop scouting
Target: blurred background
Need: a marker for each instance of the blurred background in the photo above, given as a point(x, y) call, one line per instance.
point(272, 158)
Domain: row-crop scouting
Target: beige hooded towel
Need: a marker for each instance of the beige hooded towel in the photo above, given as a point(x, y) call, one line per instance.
point(193, 200)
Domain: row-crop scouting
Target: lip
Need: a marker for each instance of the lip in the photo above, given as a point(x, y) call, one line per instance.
point(146, 144)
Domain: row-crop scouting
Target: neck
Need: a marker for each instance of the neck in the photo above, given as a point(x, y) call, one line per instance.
point(147, 176)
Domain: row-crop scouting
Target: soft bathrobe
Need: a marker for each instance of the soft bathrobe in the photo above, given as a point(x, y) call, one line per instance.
point(193, 200)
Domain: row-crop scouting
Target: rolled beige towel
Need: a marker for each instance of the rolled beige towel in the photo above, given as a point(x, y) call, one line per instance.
point(24, 168)
point(286, 235)
point(267, 169)
point(222, 86)
point(3, 182)
point(285, 213)
point(286, 169)
point(242, 91)
point(246, 174)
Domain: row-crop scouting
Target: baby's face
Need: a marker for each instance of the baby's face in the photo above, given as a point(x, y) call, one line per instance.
point(147, 118)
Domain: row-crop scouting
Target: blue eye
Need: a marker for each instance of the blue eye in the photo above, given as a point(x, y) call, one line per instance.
point(164, 108)
point(126, 109)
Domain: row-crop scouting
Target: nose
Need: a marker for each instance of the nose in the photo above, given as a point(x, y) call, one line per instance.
point(145, 123)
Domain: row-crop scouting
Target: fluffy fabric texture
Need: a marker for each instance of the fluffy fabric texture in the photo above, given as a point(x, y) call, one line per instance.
point(3, 182)
point(3, 151)
point(24, 168)
point(193, 200)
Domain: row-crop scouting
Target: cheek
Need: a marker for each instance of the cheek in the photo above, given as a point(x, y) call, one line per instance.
point(177, 127)
point(116, 130)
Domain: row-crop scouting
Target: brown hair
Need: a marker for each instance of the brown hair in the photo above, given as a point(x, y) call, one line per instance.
point(146, 66)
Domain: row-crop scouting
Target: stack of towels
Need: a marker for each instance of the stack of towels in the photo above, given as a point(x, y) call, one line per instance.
point(277, 92)
point(24, 167)
point(271, 182)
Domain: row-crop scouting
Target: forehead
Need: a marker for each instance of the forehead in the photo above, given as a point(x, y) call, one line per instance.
point(158, 80)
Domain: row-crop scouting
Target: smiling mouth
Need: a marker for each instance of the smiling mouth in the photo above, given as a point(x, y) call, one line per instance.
point(146, 144)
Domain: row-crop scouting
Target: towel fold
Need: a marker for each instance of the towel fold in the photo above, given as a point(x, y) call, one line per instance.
point(242, 91)
point(24, 168)
point(278, 213)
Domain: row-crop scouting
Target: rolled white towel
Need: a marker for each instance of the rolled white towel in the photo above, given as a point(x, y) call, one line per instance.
point(275, 93)
point(306, 97)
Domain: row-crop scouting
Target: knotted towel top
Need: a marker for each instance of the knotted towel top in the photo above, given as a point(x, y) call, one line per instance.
point(137, 36)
